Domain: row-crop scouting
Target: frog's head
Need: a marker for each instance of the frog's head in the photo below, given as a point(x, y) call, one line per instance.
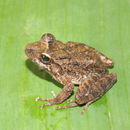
point(37, 51)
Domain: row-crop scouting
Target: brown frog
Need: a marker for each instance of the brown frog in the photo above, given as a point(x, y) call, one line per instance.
point(72, 64)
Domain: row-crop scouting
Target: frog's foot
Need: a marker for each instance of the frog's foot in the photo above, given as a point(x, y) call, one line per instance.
point(85, 107)
point(47, 100)
point(67, 106)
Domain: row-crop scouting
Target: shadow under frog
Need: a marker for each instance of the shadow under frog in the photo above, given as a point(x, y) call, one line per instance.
point(41, 73)
point(33, 108)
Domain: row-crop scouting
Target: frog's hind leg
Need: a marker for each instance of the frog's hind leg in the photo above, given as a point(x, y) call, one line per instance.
point(99, 88)
point(105, 60)
point(86, 105)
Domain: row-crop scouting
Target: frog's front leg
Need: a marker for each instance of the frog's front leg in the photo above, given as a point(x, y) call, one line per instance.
point(61, 97)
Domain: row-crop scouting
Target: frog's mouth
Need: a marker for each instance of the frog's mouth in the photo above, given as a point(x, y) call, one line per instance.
point(29, 53)
point(41, 65)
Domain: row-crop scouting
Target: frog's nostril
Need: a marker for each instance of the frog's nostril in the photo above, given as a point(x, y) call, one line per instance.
point(28, 50)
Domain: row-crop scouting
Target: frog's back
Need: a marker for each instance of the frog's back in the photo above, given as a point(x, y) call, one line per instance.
point(78, 61)
point(81, 53)
point(85, 54)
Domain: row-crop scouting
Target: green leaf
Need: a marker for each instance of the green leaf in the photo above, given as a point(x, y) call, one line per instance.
point(102, 24)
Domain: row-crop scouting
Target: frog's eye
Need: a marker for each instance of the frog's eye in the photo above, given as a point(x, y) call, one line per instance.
point(49, 38)
point(45, 58)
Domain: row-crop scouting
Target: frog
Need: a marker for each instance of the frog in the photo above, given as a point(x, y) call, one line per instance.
point(72, 64)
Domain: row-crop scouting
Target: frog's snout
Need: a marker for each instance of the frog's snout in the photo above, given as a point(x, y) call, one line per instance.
point(28, 50)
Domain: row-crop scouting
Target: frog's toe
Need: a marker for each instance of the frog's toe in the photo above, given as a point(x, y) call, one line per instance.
point(53, 94)
point(41, 99)
point(37, 99)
